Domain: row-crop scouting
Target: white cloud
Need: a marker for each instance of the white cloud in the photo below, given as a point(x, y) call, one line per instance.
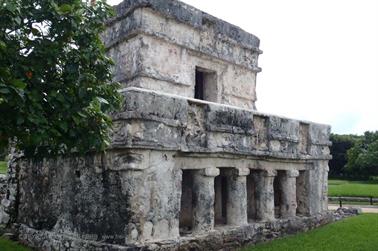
point(320, 60)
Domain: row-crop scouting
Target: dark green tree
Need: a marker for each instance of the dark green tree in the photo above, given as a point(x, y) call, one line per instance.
point(363, 156)
point(55, 80)
point(340, 145)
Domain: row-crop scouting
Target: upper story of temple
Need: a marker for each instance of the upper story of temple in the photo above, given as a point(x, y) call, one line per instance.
point(171, 47)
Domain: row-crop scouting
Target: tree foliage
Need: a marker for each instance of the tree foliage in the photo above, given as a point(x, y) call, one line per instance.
point(340, 145)
point(363, 156)
point(55, 79)
point(354, 156)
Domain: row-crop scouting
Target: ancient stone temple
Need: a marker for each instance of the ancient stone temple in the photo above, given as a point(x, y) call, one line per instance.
point(192, 165)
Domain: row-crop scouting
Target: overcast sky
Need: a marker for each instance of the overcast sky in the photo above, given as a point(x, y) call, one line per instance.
point(320, 60)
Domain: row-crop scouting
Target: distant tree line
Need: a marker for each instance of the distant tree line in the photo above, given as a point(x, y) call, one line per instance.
point(354, 156)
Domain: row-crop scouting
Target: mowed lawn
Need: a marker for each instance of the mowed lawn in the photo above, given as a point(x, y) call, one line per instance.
point(352, 234)
point(3, 167)
point(352, 188)
point(7, 245)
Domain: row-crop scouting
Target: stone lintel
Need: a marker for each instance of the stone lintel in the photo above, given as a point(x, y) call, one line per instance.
point(269, 173)
point(242, 171)
point(237, 171)
point(210, 172)
point(292, 173)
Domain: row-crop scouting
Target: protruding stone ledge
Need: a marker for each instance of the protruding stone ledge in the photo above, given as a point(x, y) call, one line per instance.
point(153, 120)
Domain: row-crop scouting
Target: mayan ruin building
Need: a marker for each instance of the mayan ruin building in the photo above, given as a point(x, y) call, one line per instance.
point(192, 165)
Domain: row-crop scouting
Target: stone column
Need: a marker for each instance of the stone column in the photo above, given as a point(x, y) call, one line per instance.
point(317, 187)
point(288, 207)
point(325, 187)
point(265, 195)
point(303, 191)
point(237, 197)
point(203, 199)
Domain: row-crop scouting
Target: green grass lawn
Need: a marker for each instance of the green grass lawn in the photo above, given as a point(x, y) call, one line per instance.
point(352, 188)
point(3, 166)
point(352, 234)
point(7, 245)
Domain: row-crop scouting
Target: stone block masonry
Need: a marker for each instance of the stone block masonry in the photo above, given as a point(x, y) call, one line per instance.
point(192, 165)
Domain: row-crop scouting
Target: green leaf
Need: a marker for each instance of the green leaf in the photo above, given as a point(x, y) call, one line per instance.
point(18, 20)
point(11, 6)
point(4, 90)
point(2, 45)
point(63, 125)
point(82, 115)
point(102, 100)
point(76, 119)
point(19, 84)
point(20, 120)
point(65, 8)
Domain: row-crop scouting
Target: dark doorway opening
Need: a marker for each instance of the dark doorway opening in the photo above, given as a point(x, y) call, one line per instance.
point(186, 212)
point(277, 186)
point(221, 197)
point(251, 196)
point(206, 85)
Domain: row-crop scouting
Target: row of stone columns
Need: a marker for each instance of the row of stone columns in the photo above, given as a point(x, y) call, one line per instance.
point(204, 196)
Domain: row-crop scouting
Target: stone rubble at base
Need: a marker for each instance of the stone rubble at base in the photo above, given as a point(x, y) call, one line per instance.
point(192, 165)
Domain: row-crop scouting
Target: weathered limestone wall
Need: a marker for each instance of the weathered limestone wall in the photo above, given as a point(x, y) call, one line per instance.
point(158, 53)
point(120, 197)
point(155, 120)
point(132, 195)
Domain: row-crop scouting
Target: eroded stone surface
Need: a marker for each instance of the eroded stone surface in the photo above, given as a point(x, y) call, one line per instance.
point(151, 119)
point(181, 173)
point(156, 49)
point(229, 238)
